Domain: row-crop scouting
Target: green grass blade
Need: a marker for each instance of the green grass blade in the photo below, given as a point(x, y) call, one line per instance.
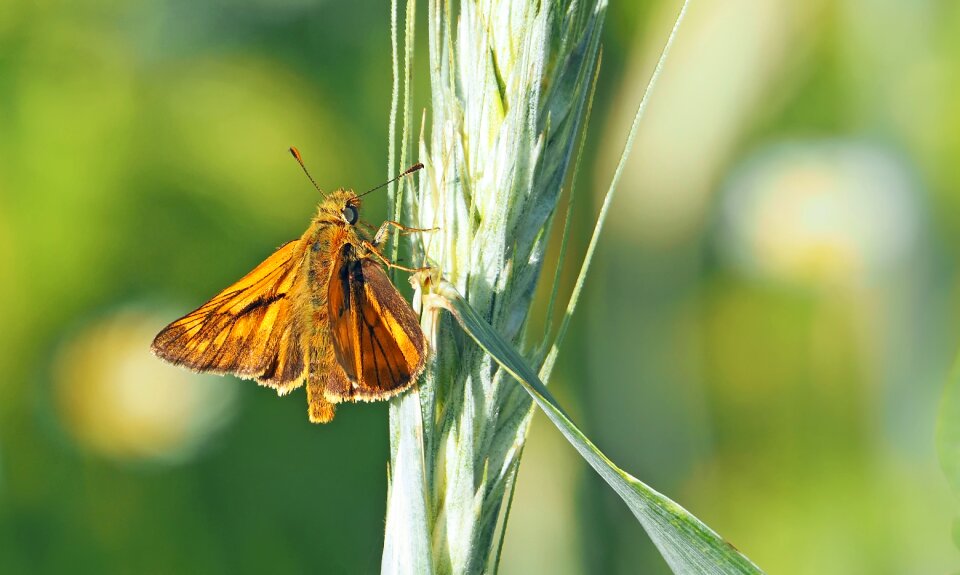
point(571, 203)
point(685, 542)
point(394, 103)
point(551, 359)
point(948, 432)
point(406, 549)
point(948, 429)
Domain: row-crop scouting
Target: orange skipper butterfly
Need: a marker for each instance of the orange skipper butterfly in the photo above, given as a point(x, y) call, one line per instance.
point(320, 310)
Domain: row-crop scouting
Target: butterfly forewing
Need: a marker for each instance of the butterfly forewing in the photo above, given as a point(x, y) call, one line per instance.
point(250, 329)
point(376, 336)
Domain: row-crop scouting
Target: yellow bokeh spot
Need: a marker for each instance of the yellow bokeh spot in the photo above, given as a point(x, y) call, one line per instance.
point(118, 400)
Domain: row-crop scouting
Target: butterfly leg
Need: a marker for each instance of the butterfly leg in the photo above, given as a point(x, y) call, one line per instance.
point(373, 249)
point(381, 234)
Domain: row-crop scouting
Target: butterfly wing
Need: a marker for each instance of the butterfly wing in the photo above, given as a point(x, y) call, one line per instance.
point(250, 329)
point(376, 335)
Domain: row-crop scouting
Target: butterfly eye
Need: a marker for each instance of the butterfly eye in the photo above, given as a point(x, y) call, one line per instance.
point(350, 214)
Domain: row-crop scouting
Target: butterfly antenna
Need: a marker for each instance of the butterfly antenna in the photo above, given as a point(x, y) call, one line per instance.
point(407, 172)
point(296, 154)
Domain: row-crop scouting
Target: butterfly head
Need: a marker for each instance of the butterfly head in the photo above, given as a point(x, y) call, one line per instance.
point(342, 205)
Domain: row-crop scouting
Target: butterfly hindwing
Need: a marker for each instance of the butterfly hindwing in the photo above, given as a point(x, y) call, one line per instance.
point(376, 335)
point(250, 329)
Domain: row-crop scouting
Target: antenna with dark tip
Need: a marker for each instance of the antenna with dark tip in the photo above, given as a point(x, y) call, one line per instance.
point(408, 171)
point(296, 154)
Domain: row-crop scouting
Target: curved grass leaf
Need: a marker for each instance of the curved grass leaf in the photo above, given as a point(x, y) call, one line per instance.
point(685, 542)
point(948, 429)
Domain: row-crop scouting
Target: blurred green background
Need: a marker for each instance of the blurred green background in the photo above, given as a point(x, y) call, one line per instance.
point(765, 338)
